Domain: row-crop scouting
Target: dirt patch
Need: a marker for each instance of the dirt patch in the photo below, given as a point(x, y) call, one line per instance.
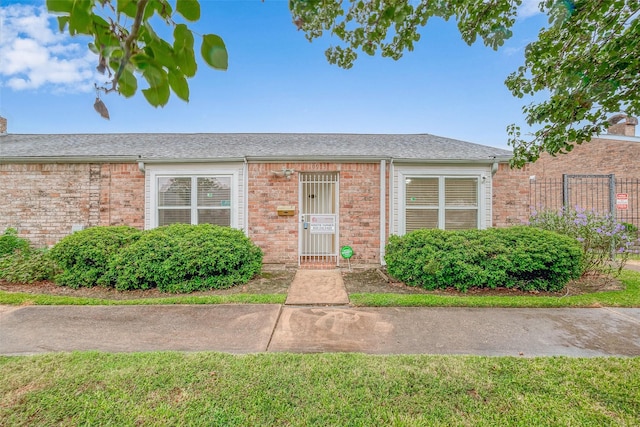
point(375, 280)
point(378, 281)
point(278, 281)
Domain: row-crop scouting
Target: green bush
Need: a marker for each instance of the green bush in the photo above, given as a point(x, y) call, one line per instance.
point(186, 258)
point(10, 242)
point(517, 257)
point(21, 263)
point(600, 235)
point(28, 266)
point(84, 256)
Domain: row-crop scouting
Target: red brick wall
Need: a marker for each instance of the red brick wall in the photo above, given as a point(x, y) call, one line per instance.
point(43, 201)
point(598, 157)
point(359, 209)
point(122, 195)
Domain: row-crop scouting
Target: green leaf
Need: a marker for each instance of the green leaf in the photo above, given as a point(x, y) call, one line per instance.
point(164, 9)
point(80, 15)
point(147, 33)
point(158, 92)
point(158, 96)
point(127, 7)
point(141, 61)
point(100, 23)
point(179, 85)
point(190, 9)
point(128, 84)
point(92, 47)
point(155, 75)
point(163, 53)
point(59, 6)
point(214, 52)
point(183, 50)
point(62, 22)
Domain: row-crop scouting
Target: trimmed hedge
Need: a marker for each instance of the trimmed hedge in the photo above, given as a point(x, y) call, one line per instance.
point(186, 258)
point(519, 257)
point(84, 256)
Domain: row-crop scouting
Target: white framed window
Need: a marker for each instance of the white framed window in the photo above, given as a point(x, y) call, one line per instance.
point(194, 194)
point(194, 200)
point(445, 202)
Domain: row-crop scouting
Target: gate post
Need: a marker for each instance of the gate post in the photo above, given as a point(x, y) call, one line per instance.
point(612, 195)
point(565, 190)
point(612, 209)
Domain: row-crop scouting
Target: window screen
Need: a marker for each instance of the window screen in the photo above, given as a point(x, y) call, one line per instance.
point(174, 192)
point(422, 191)
point(450, 203)
point(214, 192)
point(194, 200)
point(461, 191)
point(422, 195)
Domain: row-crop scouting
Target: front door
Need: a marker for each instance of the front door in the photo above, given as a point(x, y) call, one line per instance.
point(318, 244)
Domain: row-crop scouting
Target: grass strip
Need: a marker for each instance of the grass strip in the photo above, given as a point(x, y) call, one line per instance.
point(167, 388)
point(19, 298)
point(628, 297)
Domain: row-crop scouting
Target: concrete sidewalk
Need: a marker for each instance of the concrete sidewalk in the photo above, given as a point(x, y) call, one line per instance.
point(262, 328)
point(317, 318)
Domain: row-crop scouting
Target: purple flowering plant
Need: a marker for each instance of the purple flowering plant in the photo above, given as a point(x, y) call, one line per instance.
point(606, 243)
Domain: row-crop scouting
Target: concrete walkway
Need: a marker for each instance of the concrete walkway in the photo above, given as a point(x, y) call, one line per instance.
point(317, 287)
point(246, 328)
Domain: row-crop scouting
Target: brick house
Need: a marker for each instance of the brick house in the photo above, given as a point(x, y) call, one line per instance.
point(592, 173)
point(300, 197)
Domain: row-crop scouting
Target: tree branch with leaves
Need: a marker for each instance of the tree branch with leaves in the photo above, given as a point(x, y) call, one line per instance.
point(585, 60)
point(127, 45)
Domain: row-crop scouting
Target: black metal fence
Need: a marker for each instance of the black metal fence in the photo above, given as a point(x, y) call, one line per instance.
point(600, 193)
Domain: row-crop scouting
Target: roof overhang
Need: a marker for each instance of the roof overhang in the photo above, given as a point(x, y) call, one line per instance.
point(256, 159)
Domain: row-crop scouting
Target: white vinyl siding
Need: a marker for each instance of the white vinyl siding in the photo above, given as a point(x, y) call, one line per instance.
point(451, 198)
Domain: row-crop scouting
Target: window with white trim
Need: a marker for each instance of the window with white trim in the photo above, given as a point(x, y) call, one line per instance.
point(450, 203)
point(194, 200)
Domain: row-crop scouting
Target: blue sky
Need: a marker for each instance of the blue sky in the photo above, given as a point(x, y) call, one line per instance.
point(277, 81)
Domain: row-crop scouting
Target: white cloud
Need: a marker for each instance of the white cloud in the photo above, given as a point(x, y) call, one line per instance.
point(35, 55)
point(529, 8)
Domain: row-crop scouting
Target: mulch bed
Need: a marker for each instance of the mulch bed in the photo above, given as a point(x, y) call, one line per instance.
point(358, 281)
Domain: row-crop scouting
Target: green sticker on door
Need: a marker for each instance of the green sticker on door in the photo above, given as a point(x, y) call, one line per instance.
point(346, 252)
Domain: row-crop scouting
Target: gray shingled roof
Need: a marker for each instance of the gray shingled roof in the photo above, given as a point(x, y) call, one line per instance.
point(234, 146)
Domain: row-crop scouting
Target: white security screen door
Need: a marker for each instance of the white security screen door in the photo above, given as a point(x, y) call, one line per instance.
point(318, 242)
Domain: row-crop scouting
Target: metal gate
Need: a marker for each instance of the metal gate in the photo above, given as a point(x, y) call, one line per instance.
point(604, 194)
point(590, 192)
point(318, 230)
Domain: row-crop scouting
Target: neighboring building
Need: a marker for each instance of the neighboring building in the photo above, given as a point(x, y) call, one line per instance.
point(603, 174)
point(300, 197)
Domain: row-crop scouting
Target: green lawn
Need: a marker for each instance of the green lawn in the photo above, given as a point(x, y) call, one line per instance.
point(168, 388)
point(18, 298)
point(317, 389)
point(629, 297)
